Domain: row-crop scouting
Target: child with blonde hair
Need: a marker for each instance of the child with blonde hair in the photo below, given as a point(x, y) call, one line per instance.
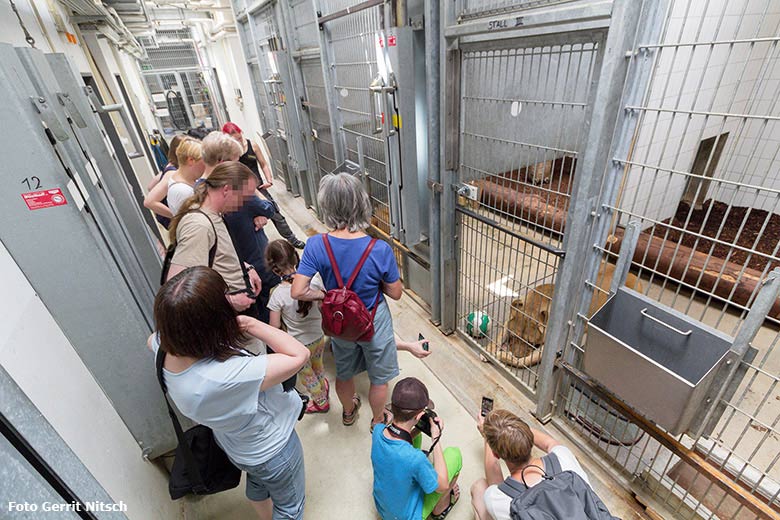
point(303, 321)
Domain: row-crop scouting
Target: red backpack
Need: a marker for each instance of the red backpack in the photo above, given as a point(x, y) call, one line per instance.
point(344, 315)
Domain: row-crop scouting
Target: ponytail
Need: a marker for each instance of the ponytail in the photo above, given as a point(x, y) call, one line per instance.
point(281, 256)
point(194, 202)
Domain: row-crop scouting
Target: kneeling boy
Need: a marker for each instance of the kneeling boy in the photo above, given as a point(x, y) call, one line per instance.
point(406, 485)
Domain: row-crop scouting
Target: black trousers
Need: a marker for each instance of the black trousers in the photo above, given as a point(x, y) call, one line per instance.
point(278, 219)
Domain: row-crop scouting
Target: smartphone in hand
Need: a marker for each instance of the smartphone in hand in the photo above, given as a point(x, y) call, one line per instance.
point(425, 346)
point(487, 406)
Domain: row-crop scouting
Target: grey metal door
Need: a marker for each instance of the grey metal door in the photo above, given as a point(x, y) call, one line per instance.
point(317, 109)
point(523, 99)
point(265, 36)
point(128, 209)
point(69, 234)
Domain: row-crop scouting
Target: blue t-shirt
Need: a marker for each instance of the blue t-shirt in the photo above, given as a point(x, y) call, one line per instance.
point(403, 475)
point(380, 265)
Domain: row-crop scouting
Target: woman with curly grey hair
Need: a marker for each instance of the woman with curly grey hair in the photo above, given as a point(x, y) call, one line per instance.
point(346, 210)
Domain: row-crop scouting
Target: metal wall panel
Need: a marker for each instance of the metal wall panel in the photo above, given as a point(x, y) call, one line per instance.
point(316, 104)
point(21, 481)
point(469, 9)
point(74, 255)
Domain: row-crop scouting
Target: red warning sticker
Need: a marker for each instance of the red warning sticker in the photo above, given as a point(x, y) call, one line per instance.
point(44, 199)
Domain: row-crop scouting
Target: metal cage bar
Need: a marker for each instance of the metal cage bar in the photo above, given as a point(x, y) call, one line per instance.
point(697, 174)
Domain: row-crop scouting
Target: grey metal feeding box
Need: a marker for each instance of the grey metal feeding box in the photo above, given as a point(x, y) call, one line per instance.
point(659, 361)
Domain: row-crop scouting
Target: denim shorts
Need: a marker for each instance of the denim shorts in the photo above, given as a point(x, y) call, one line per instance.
point(281, 479)
point(379, 357)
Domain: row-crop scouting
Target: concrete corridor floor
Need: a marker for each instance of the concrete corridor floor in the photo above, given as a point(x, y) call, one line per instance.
point(339, 475)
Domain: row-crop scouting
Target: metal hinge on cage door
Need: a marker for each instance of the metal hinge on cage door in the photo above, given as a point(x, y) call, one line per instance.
point(73, 111)
point(49, 118)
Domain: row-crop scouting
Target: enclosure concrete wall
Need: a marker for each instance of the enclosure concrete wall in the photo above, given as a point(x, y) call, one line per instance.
point(737, 79)
point(755, 160)
point(499, 85)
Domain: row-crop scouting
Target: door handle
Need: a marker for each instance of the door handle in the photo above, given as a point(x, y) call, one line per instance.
point(376, 86)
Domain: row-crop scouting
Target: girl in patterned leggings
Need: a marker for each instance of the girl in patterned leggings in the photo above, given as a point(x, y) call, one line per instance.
point(303, 321)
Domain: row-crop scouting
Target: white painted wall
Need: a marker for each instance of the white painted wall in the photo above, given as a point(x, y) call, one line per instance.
point(38, 356)
point(225, 54)
point(41, 28)
point(39, 19)
point(738, 79)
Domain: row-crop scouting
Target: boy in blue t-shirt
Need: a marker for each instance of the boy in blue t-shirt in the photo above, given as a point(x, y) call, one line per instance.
point(406, 485)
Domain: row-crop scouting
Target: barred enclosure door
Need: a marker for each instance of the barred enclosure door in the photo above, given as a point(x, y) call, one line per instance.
point(349, 44)
point(314, 114)
point(260, 36)
point(306, 31)
point(175, 81)
point(524, 98)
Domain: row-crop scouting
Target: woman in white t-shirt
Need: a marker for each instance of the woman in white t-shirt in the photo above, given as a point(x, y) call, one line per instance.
point(509, 438)
point(302, 319)
point(181, 185)
point(215, 380)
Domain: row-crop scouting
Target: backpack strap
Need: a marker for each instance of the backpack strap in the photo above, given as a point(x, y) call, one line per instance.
point(332, 259)
point(213, 250)
point(244, 272)
point(172, 249)
point(552, 466)
point(361, 262)
point(512, 488)
point(357, 270)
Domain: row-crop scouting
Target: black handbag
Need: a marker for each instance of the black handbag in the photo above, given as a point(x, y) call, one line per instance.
point(200, 466)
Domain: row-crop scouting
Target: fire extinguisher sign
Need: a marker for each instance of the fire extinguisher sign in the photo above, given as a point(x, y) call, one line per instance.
point(44, 199)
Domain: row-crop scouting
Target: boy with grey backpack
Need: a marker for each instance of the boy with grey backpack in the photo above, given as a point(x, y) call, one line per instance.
point(551, 487)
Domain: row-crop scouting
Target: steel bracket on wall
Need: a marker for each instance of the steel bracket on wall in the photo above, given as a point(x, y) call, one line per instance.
point(49, 118)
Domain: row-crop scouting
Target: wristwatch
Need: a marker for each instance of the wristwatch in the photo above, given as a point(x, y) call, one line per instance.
point(250, 267)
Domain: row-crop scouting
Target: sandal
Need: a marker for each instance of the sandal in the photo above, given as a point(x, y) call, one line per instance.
point(313, 407)
point(441, 516)
point(348, 419)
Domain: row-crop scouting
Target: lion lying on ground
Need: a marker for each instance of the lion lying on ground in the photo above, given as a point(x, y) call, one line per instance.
point(525, 330)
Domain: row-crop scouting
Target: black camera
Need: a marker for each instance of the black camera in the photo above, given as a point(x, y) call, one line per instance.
point(424, 424)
